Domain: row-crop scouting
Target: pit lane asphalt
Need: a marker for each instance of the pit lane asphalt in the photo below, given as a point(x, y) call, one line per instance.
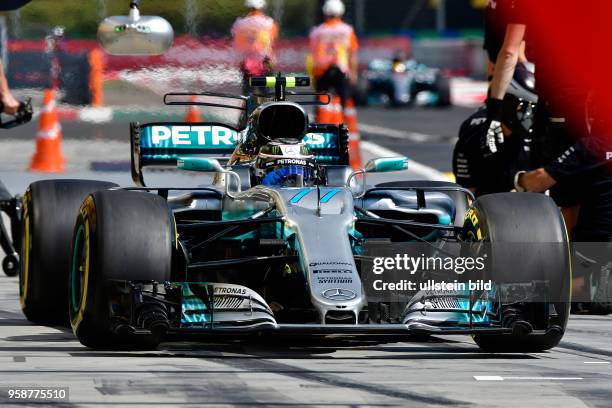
point(277, 371)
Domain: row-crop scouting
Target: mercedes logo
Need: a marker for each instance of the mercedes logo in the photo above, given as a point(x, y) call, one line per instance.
point(339, 294)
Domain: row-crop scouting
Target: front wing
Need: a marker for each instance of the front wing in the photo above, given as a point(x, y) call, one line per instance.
point(220, 308)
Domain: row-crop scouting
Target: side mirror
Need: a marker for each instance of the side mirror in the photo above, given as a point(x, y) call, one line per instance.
point(135, 34)
point(385, 164)
point(203, 164)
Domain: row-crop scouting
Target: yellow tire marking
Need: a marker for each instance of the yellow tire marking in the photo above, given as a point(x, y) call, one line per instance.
point(26, 243)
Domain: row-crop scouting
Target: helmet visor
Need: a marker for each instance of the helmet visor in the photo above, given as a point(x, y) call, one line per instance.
point(289, 176)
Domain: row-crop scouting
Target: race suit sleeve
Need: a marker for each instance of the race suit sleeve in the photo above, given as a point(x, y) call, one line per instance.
point(472, 169)
point(587, 154)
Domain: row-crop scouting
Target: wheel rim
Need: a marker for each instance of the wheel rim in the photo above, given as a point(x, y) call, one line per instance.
point(76, 272)
point(79, 274)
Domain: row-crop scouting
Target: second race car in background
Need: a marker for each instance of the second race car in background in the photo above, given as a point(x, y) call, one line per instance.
point(402, 82)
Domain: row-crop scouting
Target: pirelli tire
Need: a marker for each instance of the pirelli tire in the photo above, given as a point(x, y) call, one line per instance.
point(119, 235)
point(49, 210)
point(519, 218)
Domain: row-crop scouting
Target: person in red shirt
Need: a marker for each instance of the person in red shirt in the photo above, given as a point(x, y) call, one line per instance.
point(333, 47)
point(254, 37)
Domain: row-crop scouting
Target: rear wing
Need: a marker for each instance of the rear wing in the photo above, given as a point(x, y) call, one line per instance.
point(161, 143)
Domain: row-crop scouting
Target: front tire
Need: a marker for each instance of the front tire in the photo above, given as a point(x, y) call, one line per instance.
point(520, 218)
point(119, 235)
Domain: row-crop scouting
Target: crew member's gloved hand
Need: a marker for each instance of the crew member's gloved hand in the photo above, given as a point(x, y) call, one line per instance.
point(495, 134)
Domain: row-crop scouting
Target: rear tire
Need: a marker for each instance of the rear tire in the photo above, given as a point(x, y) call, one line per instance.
point(49, 210)
point(443, 88)
point(535, 219)
point(119, 235)
point(361, 92)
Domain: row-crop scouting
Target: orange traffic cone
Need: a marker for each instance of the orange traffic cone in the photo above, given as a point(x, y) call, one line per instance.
point(48, 157)
point(350, 119)
point(193, 113)
point(324, 112)
point(337, 118)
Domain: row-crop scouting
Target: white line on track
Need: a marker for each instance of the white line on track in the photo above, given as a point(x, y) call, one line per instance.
point(596, 362)
point(395, 133)
point(428, 173)
point(500, 378)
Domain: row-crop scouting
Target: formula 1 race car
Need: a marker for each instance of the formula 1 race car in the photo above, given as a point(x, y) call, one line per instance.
point(281, 241)
point(400, 82)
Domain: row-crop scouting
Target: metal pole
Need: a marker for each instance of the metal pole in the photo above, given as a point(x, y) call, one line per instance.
point(360, 16)
point(15, 19)
point(441, 16)
point(3, 43)
point(190, 18)
point(101, 9)
point(278, 9)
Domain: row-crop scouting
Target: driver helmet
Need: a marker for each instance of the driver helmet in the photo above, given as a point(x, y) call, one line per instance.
point(521, 99)
point(333, 8)
point(286, 163)
point(255, 4)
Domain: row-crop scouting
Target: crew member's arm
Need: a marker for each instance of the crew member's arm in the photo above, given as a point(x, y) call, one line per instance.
point(507, 59)
point(502, 76)
point(585, 155)
point(8, 100)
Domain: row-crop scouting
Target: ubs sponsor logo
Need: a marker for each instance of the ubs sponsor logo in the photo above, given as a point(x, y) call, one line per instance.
point(332, 271)
point(339, 294)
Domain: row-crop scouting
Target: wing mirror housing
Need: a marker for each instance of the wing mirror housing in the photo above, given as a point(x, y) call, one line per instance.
point(387, 164)
point(380, 165)
point(135, 34)
point(209, 165)
point(202, 164)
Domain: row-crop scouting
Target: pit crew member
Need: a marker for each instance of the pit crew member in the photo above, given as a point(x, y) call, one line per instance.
point(488, 173)
point(333, 47)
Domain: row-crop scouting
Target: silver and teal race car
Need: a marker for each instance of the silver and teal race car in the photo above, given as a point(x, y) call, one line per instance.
point(402, 82)
point(286, 238)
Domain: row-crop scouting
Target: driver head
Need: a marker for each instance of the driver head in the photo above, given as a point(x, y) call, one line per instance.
point(285, 162)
